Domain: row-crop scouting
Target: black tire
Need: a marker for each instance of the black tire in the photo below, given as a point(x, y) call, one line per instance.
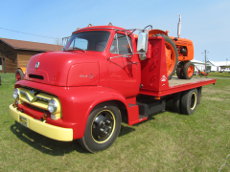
point(199, 95)
point(19, 74)
point(179, 70)
point(103, 127)
point(170, 41)
point(173, 103)
point(186, 73)
point(189, 101)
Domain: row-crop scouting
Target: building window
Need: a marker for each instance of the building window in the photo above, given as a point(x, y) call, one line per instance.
point(1, 59)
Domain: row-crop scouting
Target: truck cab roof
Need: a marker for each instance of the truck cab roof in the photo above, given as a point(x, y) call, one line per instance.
point(99, 28)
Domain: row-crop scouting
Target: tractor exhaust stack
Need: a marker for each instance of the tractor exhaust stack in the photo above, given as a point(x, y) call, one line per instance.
point(179, 27)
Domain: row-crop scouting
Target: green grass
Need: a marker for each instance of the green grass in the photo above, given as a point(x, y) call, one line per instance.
point(218, 74)
point(167, 142)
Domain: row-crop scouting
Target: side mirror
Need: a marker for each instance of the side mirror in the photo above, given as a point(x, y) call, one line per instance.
point(142, 45)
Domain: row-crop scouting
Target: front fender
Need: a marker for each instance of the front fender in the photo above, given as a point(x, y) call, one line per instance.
point(86, 99)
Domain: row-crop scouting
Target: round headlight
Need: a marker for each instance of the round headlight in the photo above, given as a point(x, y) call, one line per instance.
point(15, 93)
point(52, 106)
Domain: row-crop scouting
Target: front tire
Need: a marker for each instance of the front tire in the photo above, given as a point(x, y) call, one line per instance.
point(188, 70)
point(185, 70)
point(103, 127)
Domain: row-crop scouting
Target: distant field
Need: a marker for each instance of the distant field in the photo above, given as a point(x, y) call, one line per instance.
point(218, 74)
point(168, 142)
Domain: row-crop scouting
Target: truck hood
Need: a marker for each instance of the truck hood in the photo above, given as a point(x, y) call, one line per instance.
point(63, 69)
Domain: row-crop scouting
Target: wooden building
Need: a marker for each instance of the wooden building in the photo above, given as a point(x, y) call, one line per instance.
point(16, 53)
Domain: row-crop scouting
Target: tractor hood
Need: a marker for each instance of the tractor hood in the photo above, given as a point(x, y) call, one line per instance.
point(63, 69)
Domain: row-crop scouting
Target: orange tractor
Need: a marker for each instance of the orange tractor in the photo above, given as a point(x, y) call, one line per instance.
point(179, 53)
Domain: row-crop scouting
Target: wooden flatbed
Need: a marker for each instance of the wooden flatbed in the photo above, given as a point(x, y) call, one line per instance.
point(176, 82)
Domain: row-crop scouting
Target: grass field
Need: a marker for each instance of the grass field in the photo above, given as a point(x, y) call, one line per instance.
point(167, 142)
point(218, 74)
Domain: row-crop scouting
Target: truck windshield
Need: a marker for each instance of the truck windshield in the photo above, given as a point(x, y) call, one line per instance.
point(88, 41)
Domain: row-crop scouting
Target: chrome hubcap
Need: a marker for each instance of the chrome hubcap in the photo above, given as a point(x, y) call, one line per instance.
point(103, 126)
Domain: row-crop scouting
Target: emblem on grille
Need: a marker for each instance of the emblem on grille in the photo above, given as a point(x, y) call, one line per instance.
point(37, 65)
point(29, 95)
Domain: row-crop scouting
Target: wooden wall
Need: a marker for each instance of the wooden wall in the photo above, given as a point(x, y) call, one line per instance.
point(23, 57)
point(16, 60)
point(13, 58)
point(9, 62)
point(10, 65)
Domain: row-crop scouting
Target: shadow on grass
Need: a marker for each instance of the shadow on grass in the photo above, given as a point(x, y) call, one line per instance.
point(150, 118)
point(125, 130)
point(44, 144)
point(49, 146)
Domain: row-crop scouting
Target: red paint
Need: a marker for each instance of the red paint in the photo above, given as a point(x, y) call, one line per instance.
point(83, 79)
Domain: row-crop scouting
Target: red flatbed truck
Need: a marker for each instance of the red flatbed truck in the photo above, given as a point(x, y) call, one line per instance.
point(103, 77)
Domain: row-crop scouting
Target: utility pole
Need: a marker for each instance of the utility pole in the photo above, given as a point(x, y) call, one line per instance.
point(205, 60)
point(226, 61)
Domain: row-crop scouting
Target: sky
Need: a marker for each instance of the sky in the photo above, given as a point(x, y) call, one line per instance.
point(205, 22)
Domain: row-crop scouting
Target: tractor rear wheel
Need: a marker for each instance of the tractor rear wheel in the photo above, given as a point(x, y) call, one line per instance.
point(171, 55)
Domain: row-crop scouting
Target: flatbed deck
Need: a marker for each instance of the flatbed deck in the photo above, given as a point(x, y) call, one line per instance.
point(175, 81)
point(176, 85)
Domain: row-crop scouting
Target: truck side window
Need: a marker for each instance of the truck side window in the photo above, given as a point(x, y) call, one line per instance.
point(120, 45)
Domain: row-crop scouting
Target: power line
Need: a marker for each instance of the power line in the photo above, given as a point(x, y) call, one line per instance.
point(27, 33)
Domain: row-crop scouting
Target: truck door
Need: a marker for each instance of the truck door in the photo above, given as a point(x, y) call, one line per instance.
point(123, 66)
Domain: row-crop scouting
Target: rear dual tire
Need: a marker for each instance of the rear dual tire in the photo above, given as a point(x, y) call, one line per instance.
point(184, 103)
point(189, 101)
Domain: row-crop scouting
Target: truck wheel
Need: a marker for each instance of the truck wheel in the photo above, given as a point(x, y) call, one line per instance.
point(189, 101)
point(199, 95)
point(173, 104)
point(171, 55)
point(103, 127)
point(188, 70)
point(19, 74)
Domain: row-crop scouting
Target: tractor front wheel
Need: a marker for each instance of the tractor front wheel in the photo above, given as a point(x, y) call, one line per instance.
point(185, 70)
point(188, 70)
